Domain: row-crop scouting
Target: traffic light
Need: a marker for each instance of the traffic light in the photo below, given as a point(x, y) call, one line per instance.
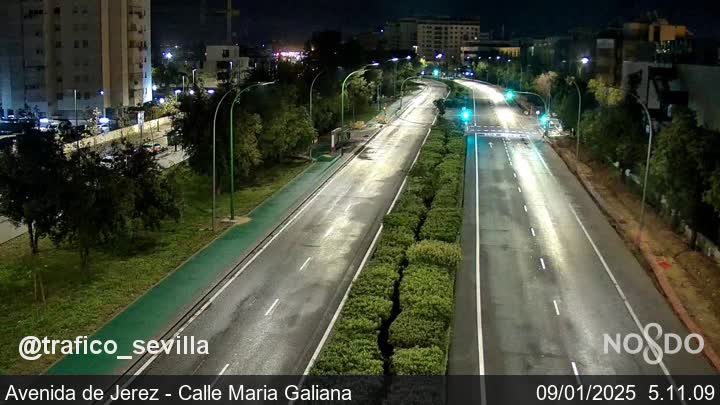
point(465, 115)
point(509, 95)
point(436, 72)
point(544, 119)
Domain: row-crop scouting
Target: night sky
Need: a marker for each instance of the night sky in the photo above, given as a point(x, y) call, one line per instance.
point(292, 21)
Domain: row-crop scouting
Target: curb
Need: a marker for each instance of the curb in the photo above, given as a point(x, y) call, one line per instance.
point(667, 290)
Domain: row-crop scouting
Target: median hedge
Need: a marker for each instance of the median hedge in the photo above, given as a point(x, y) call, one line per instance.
point(414, 277)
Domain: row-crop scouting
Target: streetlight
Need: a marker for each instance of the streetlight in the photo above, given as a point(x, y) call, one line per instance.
point(647, 164)
point(193, 75)
point(577, 129)
point(547, 110)
point(102, 93)
point(214, 175)
point(232, 163)
point(312, 84)
point(402, 93)
point(395, 60)
point(342, 91)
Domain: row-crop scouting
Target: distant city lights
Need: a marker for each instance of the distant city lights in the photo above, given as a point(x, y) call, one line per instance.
point(291, 56)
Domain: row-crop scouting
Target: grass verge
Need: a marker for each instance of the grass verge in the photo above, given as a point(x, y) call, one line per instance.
point(78, 306)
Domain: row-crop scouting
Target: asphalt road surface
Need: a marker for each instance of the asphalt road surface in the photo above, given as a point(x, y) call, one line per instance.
point(270, 319)
point(554, 275)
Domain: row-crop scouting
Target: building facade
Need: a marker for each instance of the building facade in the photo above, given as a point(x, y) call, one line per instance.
point(401, 35)
point(223, 63)
point(438, 36)
point(89, 53)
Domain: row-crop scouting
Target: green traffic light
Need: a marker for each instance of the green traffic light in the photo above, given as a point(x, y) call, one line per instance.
point(436, 72)
point(465, 114)
point(509, 95)
point(544, 119)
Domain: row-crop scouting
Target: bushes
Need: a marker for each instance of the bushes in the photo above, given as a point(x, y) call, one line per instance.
point(422, 187)
point(410, 329)
point(410, 203)
point(447, 196)
point(420, 282)
point(443, 254)
point(419, 361)
point(405, 222)
point(392, 255)
point(378, 279)
point(442, 224)
point(359, 356)
point(400, 237)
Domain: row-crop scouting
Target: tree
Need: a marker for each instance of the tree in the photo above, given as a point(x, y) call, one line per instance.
point(326, 113)
point(440, 105)
point(96, 206)
point(545, 83)
point(682, 164)
point(31, 178)
point(614, 133)
point(247, 153)
point(605, 95)
point(93, 121)
point(287, 129)
point(359, 93)
point(155, 195)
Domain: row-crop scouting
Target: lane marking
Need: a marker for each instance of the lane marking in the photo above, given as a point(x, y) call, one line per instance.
point(272, 306)
point(478, 300)
point(557, 310)
point(617, 287)
point(542, 263)
point(219, 375)
point(124, 357)
point(525, 208)
point(304, 264)
point(329, 231)
point(532, 230)
point(224, 368)
point(515, 175)
point(576, 372)
point(519, 189)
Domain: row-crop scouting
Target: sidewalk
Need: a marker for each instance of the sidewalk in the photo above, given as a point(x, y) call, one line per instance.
point(168, 302)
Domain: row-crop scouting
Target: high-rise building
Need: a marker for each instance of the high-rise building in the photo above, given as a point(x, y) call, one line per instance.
point(432, 36)
point(57, 53)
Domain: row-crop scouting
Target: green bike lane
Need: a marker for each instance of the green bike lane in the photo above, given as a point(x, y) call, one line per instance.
point(150, 316)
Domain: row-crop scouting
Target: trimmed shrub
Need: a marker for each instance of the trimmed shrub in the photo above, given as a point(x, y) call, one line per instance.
point(378, 280)
point(435, 145)
point(399, 237)
point(402, 220)
point(349, 328)
point(419, 361)
point(447, 196)
point(443, 254)
point(355, 357)
point(376, 309)
point(456, 146)
point(433, 308)
point(410, 330)
point(422, 187)
point(392, 255)
point(410, 203)
point(442, 224)
point(421, 281)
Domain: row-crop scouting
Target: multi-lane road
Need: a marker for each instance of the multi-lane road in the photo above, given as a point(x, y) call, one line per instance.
point(554, 276)
point(273, 313)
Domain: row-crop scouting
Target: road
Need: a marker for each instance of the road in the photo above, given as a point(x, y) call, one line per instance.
point(554, 276)
point(271, 316)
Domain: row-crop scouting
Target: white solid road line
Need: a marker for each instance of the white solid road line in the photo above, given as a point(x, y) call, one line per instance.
point(224, 368)
point(304, 264)
point(219, 375)
point(542, 263)
point(269, 311)
point(576, 372)
point(557, 310)
point(617, 286)
point(481, 351)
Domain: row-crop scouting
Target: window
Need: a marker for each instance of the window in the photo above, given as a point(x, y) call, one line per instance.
point(85, 43)
point(59, 96)
point(59, 79)
point(58, 44)
point(77, 44)
point(226, 53)
point(57, 10)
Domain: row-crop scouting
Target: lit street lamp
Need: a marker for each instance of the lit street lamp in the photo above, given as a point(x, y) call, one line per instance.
point(547, 110)
point(342, 91)
point(312, 84)
point(577, 128)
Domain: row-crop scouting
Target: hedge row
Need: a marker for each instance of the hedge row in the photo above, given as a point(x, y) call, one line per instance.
point(419, 334)
point(428, 208)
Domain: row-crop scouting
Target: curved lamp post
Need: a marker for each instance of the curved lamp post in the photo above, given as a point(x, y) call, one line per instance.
point(647, 164)
point(232, 141)
point(402, 86)
point(311, 91)
point(217, 109)
point(342, 91)
point(571, 80)
point(547, 110)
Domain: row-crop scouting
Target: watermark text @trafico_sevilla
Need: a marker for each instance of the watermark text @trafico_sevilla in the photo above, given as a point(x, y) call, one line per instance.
point(32, 347)
point(653, 343)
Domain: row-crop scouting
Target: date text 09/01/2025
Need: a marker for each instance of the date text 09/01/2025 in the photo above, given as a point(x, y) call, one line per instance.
point(625, 392)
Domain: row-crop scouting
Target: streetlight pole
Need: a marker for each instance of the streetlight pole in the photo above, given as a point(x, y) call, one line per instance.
point(232, 146)
point(342, 91)
point(193, 75)
point(577, 128)
point(214, 184)
point(647, 165)
point(547, 111)
point(77, 136)
point(402, 86)
point(312, 84)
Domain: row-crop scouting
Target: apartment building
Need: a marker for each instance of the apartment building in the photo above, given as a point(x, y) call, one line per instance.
point(59, 53)
point(432, 36)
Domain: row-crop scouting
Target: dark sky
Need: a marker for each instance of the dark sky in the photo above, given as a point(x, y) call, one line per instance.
point(293, 20)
